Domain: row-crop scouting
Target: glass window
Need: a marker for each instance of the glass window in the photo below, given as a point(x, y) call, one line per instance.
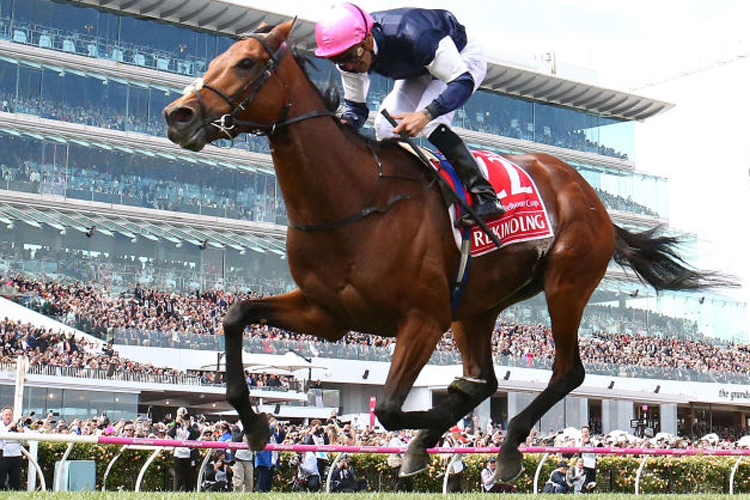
point(7, 395)
point(29, 89)
point(35, 399)
point(101, 402)
point(158, 100)
point(124, 406)
point(53, 168)
point(75, 404)
point(85, 30)
point(54, 399)
point(137, 118)
point(616, 138)
point(8, 82)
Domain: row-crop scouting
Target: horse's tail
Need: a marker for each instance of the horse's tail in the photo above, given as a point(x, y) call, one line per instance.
point(654, 259)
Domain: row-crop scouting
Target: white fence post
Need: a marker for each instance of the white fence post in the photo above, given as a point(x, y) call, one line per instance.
point(538, 472)
point(145, 466)
point(638, 475)
point(734, 471)
point(109, 467)
point(33, 455)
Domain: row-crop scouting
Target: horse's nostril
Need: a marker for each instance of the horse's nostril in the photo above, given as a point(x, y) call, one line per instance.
point(181, 116)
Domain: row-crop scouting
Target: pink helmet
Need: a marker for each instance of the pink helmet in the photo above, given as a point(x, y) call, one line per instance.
point(344, 26)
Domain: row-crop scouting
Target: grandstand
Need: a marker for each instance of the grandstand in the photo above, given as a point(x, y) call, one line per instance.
point(92, 191)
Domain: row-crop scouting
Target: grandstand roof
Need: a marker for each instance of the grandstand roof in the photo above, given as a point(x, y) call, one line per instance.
point(227, 16)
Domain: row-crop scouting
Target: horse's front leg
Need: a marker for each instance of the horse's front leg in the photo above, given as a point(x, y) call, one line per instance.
point(416, 340)
point(473, 339)
point(292, 312)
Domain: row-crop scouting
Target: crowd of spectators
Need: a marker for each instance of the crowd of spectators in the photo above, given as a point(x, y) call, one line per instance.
point(338, 431)
point(114, 178)
point(168, 319)
point(92, 113)
point(48, 347)
point(121, 181)
point(312, 468)
point(117, 271)
point(617, 202)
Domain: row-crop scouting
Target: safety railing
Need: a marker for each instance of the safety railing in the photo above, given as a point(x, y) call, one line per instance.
point(159, 445)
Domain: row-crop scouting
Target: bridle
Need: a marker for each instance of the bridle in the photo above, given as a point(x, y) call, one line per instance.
point(237, 103)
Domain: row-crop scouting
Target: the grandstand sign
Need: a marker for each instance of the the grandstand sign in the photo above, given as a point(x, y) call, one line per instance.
point(734, 395)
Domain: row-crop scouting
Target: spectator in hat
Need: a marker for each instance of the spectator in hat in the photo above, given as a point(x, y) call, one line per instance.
point(455, 467)
point(489, 484)
point(558, 481)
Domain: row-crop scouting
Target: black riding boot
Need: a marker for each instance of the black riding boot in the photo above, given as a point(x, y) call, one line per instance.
point(486, 205)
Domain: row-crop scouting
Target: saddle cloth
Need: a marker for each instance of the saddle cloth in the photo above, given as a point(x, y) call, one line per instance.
point(526, 216)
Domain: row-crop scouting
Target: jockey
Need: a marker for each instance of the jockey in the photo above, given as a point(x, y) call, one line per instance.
point(436, 68)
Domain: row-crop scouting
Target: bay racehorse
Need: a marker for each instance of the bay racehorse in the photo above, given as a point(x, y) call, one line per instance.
point(369, 244)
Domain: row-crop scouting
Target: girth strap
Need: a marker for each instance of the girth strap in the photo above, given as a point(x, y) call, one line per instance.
point(328, 226)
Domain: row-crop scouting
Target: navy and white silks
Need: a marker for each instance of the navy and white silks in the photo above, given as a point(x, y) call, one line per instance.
point(435, 65)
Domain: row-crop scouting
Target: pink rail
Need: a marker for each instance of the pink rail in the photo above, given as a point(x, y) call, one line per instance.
point(390, 449)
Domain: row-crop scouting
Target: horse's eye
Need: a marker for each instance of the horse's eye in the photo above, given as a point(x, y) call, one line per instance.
point(245, 63)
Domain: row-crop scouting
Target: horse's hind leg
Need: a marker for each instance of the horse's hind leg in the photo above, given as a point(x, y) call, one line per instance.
point(569, 281)
point(464, 394)
point(291, 311)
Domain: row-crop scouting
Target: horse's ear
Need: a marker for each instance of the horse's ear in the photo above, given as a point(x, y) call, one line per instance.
point(261, 27)
point(281, 32)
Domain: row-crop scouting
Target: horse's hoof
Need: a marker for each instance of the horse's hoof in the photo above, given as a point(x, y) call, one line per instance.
point(258, 436)
point(509, 466)
point(414, 463)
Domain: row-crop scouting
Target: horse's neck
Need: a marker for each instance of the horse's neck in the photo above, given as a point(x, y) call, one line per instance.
point(321, 172)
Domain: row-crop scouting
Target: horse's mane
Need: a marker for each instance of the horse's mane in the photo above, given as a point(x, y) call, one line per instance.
point(329, 95)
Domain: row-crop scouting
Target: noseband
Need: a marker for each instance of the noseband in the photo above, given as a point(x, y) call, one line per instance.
point(228, 121)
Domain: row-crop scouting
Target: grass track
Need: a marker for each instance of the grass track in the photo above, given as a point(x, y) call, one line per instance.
point(323, 496)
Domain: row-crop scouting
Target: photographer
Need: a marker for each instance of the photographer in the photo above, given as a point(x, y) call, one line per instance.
point(319, 437)
point(344, 480)
point(218, 473)
point(308, 476)
point(10, 461)
point(265, 461)
point(185, 459)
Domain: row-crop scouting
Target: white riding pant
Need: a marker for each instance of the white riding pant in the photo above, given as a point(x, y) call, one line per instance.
point(412, 94)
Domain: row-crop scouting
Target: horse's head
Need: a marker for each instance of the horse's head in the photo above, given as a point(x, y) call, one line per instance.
point(241, 92)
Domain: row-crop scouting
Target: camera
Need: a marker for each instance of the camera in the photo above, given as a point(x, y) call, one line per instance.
point(26, 422)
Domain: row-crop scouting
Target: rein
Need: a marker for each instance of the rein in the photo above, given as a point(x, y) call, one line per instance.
point(228, 121)
point(355, 217)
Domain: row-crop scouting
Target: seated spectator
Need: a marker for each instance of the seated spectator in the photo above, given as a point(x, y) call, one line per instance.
point(344, 480)
point(577, 476)
point(218, 473)
point(489, 484)
point(558, 482)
